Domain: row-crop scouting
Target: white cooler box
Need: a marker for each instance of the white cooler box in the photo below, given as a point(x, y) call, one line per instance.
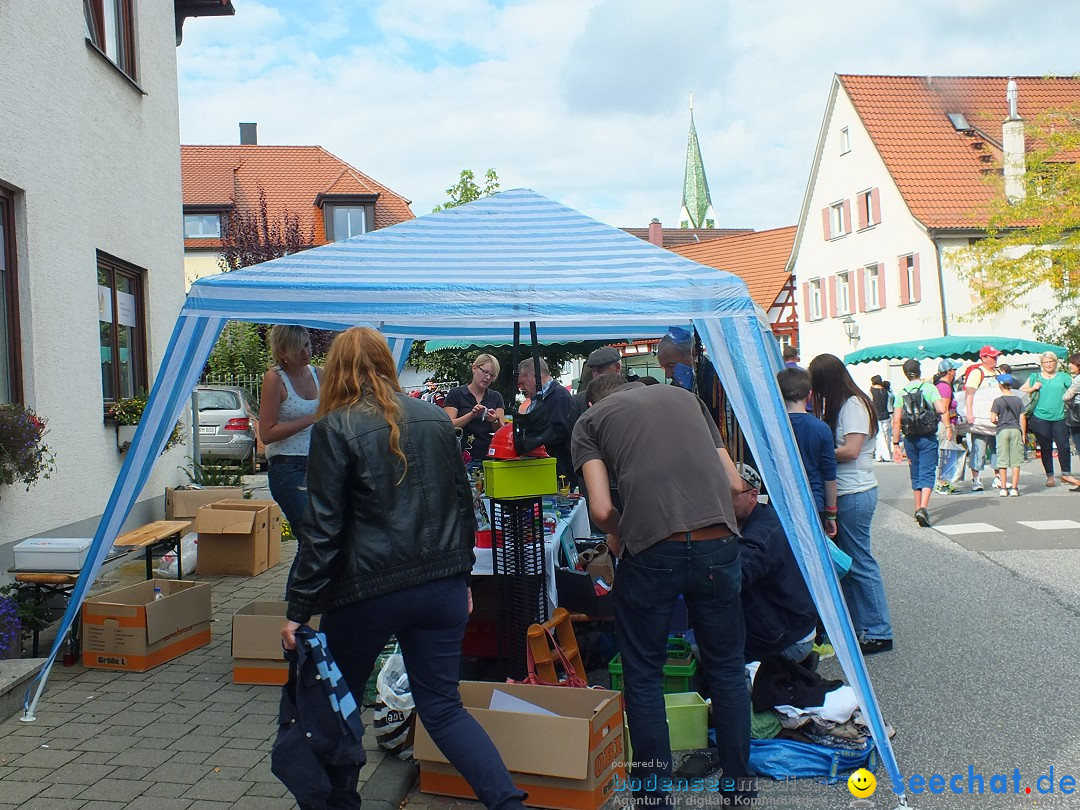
point(52, 553)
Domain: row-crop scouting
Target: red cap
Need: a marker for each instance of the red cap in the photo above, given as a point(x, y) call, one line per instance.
point(988, 351)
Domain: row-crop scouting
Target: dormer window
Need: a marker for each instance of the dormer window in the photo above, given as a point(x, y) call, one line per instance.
point(202, 226)
point(345, 216)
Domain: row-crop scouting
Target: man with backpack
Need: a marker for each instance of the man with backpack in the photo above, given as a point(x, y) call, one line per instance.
point(918, 411)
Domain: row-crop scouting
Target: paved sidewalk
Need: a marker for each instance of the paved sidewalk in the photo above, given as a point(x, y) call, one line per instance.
point(181, 736)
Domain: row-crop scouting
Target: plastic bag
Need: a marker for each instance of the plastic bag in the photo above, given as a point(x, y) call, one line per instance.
point(395, 713)
point(188, 552)
point(782, 759)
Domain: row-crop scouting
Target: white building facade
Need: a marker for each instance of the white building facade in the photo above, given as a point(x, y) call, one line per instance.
point(874, 259)
point(90, 192)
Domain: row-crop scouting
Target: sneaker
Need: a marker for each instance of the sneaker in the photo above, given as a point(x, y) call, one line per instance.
point(870, 646)
point(997, 483)
point(825, 651)
point(976, 485)
point(1014, 492)
point(944, 489)
point(923, 517)
point(1002, 493)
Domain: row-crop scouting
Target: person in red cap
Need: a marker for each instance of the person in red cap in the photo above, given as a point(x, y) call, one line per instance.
point(982, 438)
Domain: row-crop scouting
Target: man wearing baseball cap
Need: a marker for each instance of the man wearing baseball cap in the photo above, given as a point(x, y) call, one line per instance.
point(982, 436)
point(602, 361)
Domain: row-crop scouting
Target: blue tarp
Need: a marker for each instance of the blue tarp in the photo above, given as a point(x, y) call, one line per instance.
point(467, 274)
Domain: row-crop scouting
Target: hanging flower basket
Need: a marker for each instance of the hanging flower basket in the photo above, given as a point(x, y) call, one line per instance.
point(24, 455)
point(126, 415)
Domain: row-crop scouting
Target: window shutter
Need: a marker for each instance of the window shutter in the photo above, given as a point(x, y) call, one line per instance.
point(916, 294)
point(861, 200)
point(825, 223)
point(860, 283)
point(847, 216)
point(832, 296)
point(881, 285)
point(904, 292)
point(808, 314)
point(875, 206)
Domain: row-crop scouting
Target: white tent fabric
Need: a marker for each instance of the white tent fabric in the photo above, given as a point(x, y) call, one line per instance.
point(468, 273)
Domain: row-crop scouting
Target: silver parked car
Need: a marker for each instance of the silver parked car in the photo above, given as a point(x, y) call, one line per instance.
point(228, 426)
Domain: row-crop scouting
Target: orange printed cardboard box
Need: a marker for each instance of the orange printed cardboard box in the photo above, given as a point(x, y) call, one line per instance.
point(184, 503)
point(234, 537)
point(256, 643)
point(128, 629)
point(563, 746)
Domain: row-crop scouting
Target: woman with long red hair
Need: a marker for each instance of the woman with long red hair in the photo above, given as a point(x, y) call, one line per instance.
point(388, 541)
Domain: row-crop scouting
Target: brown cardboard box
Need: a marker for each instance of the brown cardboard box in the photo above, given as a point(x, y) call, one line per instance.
point(568, 761)
point(273, 539)
point(256, 643)
point(184, 503)
point(232, 541)
point(127, 629)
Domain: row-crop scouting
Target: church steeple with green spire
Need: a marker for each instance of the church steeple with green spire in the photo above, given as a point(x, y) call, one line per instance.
point(697, 210)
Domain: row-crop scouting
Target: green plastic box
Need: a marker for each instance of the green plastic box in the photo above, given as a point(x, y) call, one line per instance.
point(688, 723)
point(520, 478)
point(678, 671)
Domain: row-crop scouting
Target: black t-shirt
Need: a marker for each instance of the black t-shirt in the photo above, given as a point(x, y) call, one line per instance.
point(881, 401)
point(479, 427)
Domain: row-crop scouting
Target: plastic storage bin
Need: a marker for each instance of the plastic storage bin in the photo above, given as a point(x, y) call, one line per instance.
point(520, 478)
point(678, 671)
point(688, 720)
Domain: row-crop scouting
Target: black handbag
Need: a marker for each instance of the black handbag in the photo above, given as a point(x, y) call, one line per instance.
point(532, 429)
point(1072, 412)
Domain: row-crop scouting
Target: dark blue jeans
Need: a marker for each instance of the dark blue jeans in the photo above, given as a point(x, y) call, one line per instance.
point(288, 486)
point(647, 586)
point(429, 622)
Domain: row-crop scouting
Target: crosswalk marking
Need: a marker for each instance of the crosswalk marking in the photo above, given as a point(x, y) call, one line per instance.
point(1049, 525)
point(967, 528)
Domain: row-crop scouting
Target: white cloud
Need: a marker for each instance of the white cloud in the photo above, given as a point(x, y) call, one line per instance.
point(585, 101)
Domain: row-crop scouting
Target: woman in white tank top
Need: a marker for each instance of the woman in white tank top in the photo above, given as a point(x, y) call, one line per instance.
point(290, 398)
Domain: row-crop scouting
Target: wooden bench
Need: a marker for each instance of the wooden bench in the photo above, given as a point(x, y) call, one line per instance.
point(159, 533)
point(44, 584)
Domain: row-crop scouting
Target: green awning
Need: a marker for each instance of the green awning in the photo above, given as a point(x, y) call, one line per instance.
point(964, 347)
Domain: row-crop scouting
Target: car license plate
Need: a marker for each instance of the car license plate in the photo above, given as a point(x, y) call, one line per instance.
point(204, 429)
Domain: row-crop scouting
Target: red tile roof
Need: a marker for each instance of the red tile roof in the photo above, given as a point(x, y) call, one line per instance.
point(760, 259)
point(942, 173)
point(292, 177)
point(688, 236)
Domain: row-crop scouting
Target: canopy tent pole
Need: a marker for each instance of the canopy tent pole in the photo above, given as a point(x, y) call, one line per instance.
point(189, 347)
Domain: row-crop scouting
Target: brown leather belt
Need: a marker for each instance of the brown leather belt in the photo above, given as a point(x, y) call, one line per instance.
point(717, 531)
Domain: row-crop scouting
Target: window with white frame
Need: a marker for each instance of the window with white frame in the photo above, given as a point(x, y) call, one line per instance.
point(843, 293)
point(910, 283)
point(845, 140)
point(202, 226)
point(836, 219)
point(815, 300)
point(873, 287)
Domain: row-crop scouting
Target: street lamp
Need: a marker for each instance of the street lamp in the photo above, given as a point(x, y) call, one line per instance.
point(851, 329)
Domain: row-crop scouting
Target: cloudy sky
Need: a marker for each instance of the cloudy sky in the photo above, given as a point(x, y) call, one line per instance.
point(586, 101)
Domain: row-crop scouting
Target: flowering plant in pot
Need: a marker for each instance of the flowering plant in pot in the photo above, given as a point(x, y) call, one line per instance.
point(127, 413)
point(10, 628)
point(24, 455)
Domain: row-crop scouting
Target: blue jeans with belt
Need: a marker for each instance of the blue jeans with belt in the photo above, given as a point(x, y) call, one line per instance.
point(288, 486)
point(429, 622)
point(647, 586)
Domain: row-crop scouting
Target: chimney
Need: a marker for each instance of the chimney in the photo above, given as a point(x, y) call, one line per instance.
point(656, 233)
point(1012, 144)
point(249, 134)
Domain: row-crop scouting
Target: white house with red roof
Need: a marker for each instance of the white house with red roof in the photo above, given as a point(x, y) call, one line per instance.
point(331, 199)
point(900, 181)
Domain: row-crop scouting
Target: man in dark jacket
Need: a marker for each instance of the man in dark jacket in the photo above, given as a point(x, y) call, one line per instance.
point(779, 612)
point(559, 404)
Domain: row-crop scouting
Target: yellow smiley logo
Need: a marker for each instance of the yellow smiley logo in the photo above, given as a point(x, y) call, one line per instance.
point(862, 783)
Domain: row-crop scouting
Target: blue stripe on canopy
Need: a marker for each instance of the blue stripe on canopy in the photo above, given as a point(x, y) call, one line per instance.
point(467, 274)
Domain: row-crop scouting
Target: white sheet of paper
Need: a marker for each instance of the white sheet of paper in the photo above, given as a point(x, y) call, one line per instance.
point(502, 702)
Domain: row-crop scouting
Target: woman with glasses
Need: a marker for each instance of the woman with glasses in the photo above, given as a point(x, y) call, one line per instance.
point(475, 408)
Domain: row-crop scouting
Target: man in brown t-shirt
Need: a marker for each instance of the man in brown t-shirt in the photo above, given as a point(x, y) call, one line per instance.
point(675, 535)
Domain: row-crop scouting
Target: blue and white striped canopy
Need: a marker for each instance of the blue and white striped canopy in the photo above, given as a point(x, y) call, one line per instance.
point(469, 273)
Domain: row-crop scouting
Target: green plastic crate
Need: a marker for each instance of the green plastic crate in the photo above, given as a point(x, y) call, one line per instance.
point(688, 720)
point(678, 671)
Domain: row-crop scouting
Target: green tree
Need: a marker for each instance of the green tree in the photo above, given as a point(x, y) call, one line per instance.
point(1032, 244)
point(466, 190)
point(240, 351)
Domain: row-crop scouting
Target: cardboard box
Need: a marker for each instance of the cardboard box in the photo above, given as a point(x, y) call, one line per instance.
point(127, 629)
point(52, 553)
point(236, 537)
point(567, 760)
point(184, 503)
point(256, 643)
point(273, 539)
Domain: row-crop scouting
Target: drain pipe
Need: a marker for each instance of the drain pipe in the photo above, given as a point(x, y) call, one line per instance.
point(941, 289)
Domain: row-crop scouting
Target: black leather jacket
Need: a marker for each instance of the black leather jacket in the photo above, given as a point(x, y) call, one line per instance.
point(364, 535)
